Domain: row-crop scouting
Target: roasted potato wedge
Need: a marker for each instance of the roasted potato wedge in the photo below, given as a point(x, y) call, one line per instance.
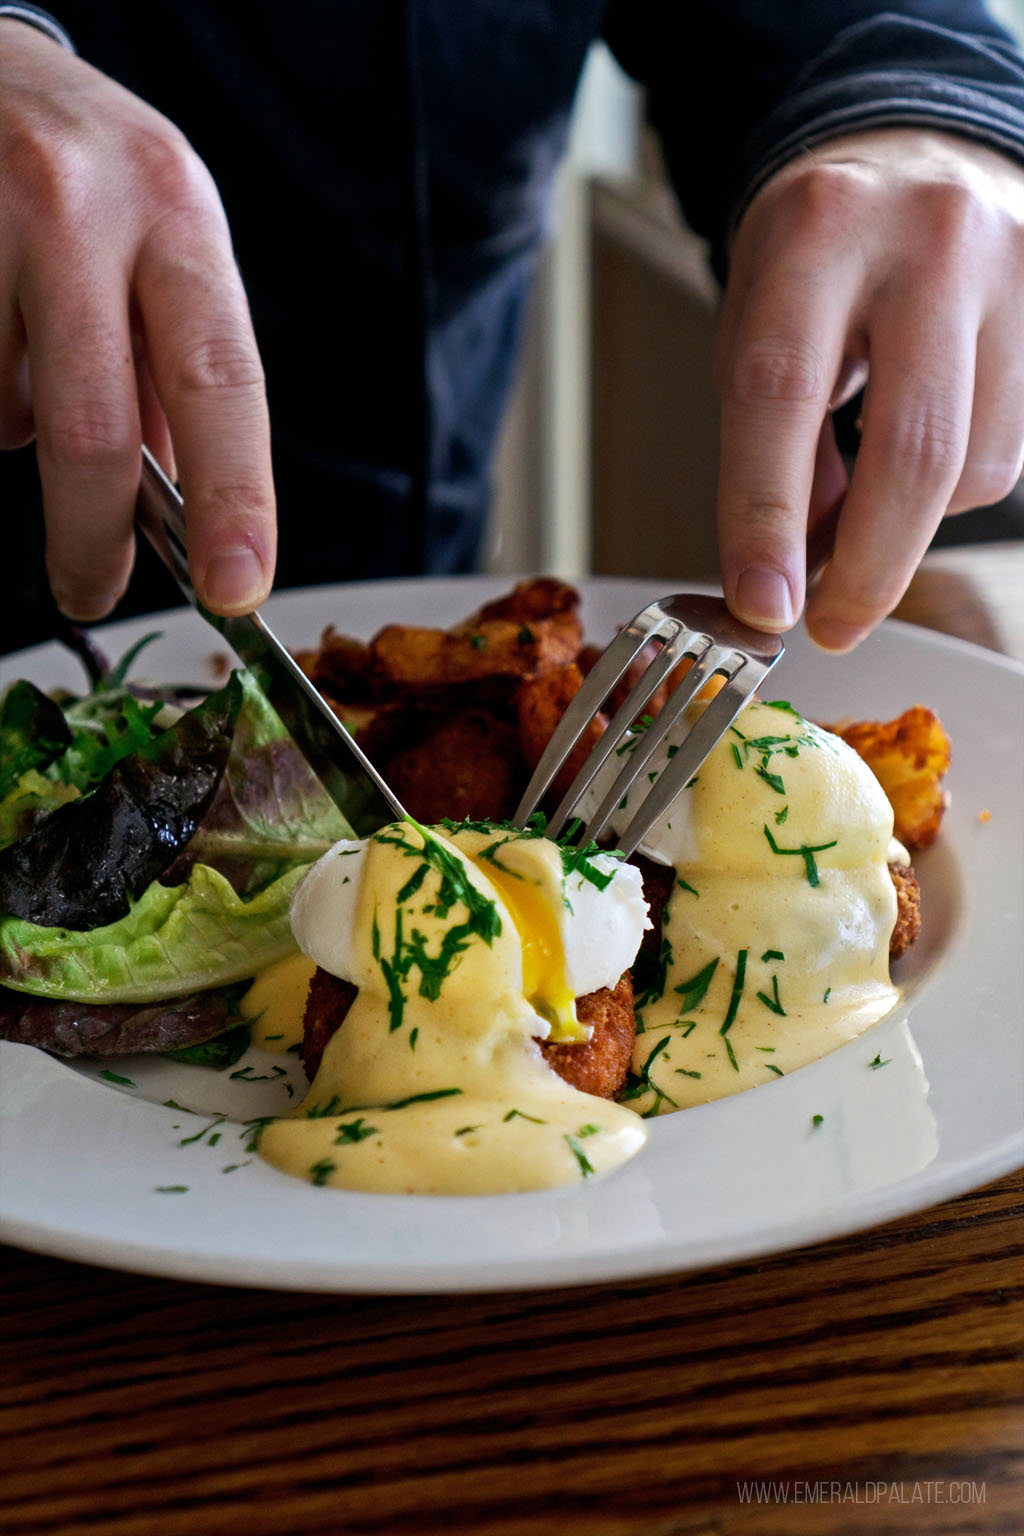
point(908, 756)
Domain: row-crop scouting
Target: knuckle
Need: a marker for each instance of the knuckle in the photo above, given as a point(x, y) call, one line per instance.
point(51, 171)
point(783, 369)
point(954, 218)
point(823, 199)
point(927, 444)
point(170, 167)
point(234, 506)
point(86, 435)
point(217, 364)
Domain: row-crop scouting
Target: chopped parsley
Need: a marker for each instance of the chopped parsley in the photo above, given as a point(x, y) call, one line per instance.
point(585, 1165)
point(115, 1077)
point(693, 991)
point(637, 1086)
point(806, 851)
point(734, 1000)
point(772, 1002)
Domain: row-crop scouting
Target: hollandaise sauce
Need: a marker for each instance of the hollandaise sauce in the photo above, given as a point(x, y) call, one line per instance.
point(434, 1083)
point(775, 943)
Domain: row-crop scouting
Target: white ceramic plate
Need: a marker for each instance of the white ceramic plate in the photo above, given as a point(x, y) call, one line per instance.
point(104, 1172)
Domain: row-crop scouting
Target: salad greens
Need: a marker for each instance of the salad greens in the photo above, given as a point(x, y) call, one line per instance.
point(146, 867)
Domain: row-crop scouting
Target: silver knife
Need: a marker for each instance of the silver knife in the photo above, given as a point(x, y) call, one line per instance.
point(342, 767)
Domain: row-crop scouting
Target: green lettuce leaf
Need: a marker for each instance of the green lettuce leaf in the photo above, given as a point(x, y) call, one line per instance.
point(81, 866)
point(270, 810)
point(174, 940)
point(33, 732)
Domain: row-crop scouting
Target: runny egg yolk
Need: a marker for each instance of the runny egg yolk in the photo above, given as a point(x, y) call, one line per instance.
point(545, 982)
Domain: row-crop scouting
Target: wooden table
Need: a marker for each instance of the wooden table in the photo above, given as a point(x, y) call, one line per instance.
point(869, 1384)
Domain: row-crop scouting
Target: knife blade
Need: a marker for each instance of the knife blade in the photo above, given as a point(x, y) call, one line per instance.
point(343, 769)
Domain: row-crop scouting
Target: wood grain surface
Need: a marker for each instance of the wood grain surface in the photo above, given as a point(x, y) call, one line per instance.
point(861, 1374)
point(869, 1384)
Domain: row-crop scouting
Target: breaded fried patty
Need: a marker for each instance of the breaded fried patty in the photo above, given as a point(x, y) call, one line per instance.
point(908, 909)
point(597, 1065)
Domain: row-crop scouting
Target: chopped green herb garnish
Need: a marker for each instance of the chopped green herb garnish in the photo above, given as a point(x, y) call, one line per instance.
point(805, 851)
point(693, 991)
point(684, 885)
point(321, 1171)
point(352, 1131)
point(422, 1098)
point(685, 1072)
point(734, 1000)
point(772, 954)
point(878, 1062)
point(817, 1120)
point(478, 642)
point(650, 974)
point(773, 1068)
point(115, 1077)
point(773, 780)
point(732, 1054)
point(171, 1189)
point(331, 1106)
point(585, 1165)
point(206, 1129)
point(254, 1130)
point(519, 1114)
point(636, 1086)
point(772, 1002)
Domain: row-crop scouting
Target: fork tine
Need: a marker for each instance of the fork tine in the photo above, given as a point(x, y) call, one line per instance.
point(682, 643)
point(611, 667)
point(696, 746)
point(688, 624)
point(712, 661)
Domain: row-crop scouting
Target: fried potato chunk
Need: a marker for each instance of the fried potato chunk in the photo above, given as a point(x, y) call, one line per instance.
point(469, 765)
point(599, 1065)
point(411, 657)
point(541, 702)
point(908, 756)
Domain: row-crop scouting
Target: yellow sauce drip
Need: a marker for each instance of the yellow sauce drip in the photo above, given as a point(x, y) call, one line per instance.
point(276, 1002)
point(445, 1093)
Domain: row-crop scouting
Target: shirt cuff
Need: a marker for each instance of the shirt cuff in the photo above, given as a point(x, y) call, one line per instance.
point(33, 16)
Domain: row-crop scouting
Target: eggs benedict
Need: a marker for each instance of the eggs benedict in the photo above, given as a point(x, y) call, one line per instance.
point(465, 947)
point(774, 946)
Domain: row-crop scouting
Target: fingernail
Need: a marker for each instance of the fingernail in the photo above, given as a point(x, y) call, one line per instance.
point(234, 579)
point(763, 598)
point(87, 608)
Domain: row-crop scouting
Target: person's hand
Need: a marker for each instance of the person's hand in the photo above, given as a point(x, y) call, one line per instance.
point(894, 257)
point(122, 320)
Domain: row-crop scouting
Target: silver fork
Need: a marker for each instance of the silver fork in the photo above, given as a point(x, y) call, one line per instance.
point(686, 625)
